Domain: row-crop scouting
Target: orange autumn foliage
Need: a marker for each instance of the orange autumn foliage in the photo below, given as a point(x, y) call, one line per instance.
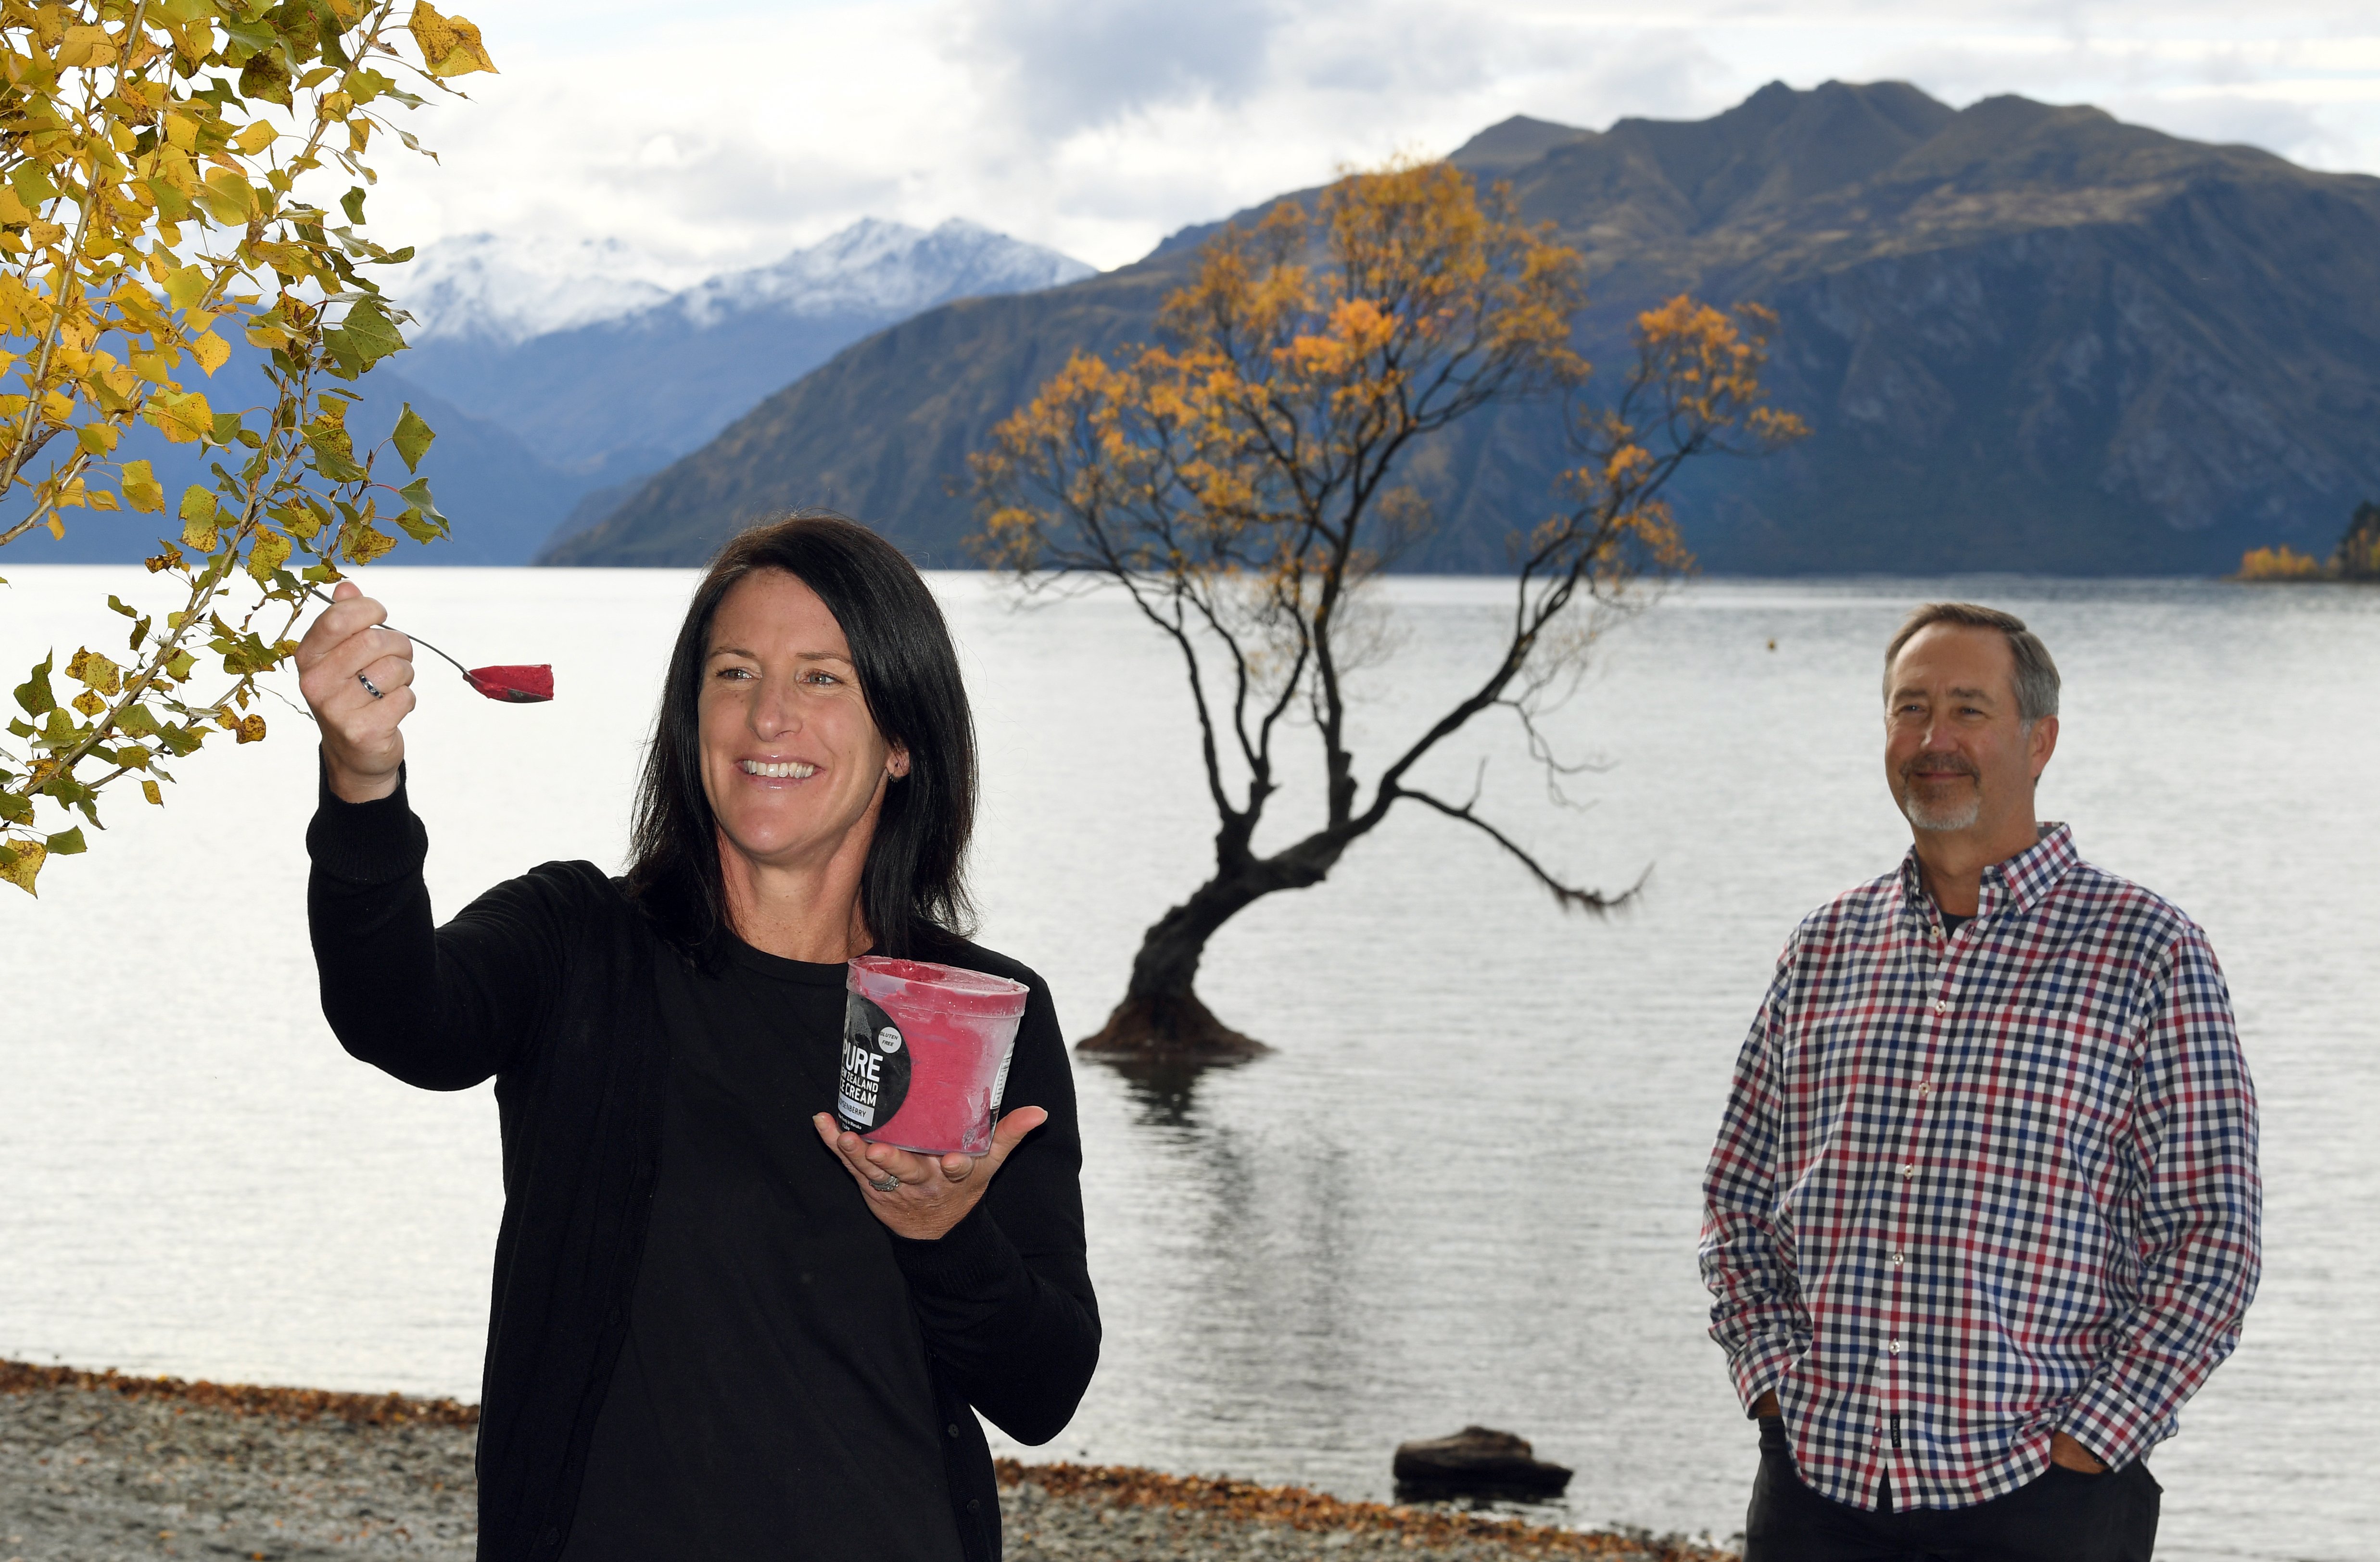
point(2284, 562)
point(1244, 480)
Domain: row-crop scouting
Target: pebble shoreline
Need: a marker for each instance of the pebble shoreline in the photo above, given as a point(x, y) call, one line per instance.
point(95, 1467)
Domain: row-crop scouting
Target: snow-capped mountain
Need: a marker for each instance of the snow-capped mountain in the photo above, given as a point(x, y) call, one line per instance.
point(480, 285)
point(583, 355)
point(884, 268)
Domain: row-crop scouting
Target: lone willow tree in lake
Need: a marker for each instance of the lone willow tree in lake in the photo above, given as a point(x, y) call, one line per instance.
point(1240, 481)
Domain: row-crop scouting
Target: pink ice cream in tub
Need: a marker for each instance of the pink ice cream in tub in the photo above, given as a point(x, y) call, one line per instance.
point(925, 1054)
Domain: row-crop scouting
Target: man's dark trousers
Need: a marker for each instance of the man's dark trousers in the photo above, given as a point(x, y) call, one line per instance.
point(2065, 1516)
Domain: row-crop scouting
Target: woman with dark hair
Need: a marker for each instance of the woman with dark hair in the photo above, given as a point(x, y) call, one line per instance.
point(719, 1329)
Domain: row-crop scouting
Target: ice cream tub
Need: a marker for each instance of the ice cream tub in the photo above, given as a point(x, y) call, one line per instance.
point(925, 1049)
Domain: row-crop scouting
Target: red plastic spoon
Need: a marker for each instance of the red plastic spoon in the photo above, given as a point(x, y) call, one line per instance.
point(513, 684)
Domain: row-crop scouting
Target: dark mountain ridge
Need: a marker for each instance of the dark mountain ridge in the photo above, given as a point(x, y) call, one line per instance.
point(2026, 337)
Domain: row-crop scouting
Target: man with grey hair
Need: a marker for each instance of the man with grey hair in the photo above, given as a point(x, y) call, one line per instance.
point(1984, 1208)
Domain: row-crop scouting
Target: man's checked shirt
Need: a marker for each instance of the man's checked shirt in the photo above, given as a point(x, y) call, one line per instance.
point(1976, 1189)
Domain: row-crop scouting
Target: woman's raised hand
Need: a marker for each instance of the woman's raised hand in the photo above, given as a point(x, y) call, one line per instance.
point(358, 678)
point(927, 1194)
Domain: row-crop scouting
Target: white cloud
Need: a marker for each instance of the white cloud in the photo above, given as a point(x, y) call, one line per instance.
point(733, 130)
point(1068, 65)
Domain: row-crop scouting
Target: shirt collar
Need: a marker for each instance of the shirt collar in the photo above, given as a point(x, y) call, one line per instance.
point(2021, 881)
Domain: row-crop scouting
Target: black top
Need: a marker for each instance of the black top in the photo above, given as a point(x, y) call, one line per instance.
point(773, 1397)
point(554, 983)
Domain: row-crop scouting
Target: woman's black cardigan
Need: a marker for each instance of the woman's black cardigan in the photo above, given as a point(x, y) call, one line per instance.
point(546, 982)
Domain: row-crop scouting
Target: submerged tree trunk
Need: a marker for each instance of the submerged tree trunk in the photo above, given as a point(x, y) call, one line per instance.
point(1161, 1018)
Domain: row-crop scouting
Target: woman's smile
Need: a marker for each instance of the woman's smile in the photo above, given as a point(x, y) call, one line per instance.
point(788, 770)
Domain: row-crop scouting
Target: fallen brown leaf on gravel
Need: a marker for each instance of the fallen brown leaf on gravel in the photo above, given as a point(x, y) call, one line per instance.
point(1299, 1508)
point(247, 1398)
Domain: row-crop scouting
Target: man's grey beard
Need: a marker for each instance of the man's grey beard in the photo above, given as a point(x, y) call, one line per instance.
point(1960, 814)
point(1954, 816)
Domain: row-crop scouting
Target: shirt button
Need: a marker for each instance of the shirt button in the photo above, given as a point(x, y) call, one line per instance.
point(1924, 1087)
point(1941, 1006)
point(974, 1506)
point(1896, 1261)
point(1909, 1170)
point(1893, 1346)
point(953, 1429)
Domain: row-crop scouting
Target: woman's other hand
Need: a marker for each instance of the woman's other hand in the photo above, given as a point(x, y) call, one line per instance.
point(934, 1192)
point(357, 676)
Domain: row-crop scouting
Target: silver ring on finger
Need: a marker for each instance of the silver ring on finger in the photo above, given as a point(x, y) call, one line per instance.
point(888, 1183)
point(370, 687)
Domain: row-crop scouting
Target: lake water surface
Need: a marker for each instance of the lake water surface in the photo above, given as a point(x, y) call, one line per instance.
point(1464, 1188)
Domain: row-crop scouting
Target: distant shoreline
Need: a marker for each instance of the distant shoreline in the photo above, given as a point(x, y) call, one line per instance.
point(244, 1465)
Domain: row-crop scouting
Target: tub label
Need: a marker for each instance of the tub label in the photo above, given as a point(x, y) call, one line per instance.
point(875, 1067)
point(1000, 1085)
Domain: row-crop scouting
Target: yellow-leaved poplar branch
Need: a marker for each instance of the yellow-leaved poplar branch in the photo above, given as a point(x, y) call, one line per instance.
point(164, 169)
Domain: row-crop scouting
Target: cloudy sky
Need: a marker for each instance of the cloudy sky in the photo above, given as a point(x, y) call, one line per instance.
point(711, 133)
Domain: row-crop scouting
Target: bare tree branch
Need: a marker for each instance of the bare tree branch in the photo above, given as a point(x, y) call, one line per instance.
point(1568, 896)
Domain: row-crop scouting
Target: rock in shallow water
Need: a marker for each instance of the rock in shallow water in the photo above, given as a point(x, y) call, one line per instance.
point(1475, 1461)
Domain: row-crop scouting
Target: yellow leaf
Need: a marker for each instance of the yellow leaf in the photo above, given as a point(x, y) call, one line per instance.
point(11, 208)
point(94, 670)
point(88, 703)
point(227, 198)
point(211, 351)
point(269, 552)
point(185, 285)
point(148, 790)
point(20, 861)
point(86, 46)
point(199, 524)
point(255, 138)
point(182, 418)
point(450, 45)
point(250, 728)
point(363, 544)
point(141, 488)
